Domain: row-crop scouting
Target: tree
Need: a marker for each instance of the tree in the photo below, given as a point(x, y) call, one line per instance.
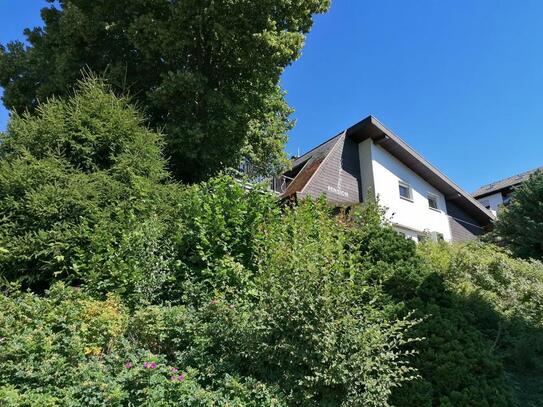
point(520, 224)
point(82, 195)
point(206, 71)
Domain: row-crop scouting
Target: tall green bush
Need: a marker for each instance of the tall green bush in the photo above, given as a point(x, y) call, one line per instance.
point(503, 297)
point(454, 360)
point(307, 330)
point(83, 195)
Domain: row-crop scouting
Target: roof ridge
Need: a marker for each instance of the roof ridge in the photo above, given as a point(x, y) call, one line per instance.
point(522, 174)
point(308, 153)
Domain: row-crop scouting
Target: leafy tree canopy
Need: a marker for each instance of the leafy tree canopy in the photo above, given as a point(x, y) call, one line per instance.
point(520, 224)
point(207, 72)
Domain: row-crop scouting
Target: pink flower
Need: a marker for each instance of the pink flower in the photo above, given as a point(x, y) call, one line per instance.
point(181, 377)
point(173, 370)
point(213, 301)
point(149, 365)
point(128, 365)
point(153, 365)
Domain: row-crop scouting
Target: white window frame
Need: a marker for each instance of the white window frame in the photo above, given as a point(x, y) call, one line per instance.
point(431, 195)
point(409, 190)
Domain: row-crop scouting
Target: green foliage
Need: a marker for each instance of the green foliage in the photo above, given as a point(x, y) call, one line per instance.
point(307, 330)
point(207, 72)
point(254, 303)
point(81, 183)
point(92, 130)
point(257, 305)
point(454, 359)
point(69, 350)
point(321, 316)
point(520, 224)
point(502, 298)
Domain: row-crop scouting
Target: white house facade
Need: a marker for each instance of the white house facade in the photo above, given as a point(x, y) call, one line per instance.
point(368, 162)
point(415, 207)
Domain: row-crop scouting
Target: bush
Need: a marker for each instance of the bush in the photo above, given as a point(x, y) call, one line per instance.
point(83, 197)
point(275, 313)
point(69, 350)
point(299, 317)
point(504, 298)
point(454, 359)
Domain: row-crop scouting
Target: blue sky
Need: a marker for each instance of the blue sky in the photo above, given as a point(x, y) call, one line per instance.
point(459, 80)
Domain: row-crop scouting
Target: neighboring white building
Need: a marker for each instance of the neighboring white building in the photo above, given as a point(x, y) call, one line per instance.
point(368, 161)
point(497, 194)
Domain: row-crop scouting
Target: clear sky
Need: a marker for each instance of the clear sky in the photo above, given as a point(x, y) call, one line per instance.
point(461, 81)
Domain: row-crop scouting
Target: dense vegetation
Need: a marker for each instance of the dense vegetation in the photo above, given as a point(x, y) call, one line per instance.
point(206, 72)
point(520, 224)
point(121, 287)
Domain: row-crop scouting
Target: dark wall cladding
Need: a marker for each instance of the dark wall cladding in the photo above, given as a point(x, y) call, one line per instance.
point(463, 226)
point(338, 177)
point(459, 232)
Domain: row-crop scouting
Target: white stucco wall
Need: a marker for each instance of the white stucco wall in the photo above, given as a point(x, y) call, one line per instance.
point(494, 200)
point(409, 217)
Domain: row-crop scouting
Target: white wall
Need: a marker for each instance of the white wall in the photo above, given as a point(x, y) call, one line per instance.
point(494, 200)
point(409, 217)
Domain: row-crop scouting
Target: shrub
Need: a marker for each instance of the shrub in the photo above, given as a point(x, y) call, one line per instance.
point(306, 323)
point(83, 196)
point(454, 360)
point(254, 303)
point(69, 350)
point(504, 297)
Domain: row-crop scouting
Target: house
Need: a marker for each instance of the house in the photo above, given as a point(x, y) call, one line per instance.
point(368, 161)
point(498, 193)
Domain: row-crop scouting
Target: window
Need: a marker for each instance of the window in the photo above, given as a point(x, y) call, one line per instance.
point(432, 201)
point(405, 191)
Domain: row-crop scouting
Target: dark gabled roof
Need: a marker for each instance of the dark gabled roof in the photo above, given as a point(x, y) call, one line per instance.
point(370, 127)
point(321, 150)
point(504, 184)
point(305, 166)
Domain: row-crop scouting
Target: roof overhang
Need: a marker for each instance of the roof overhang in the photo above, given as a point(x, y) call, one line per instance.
point(370, 127)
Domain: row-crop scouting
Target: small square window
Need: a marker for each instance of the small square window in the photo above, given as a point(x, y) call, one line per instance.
point(405, 191)
point(432, 201)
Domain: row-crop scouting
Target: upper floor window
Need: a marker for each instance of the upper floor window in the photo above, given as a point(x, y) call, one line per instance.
point(405, 191)
point(432, 201)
